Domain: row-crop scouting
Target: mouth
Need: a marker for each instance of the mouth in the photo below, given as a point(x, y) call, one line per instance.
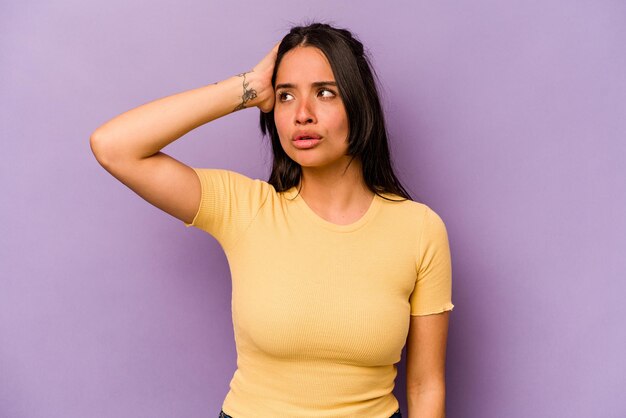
point(306, 141)
point(306, 137)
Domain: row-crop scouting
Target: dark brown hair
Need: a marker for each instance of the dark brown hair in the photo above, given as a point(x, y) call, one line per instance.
point(367, 138)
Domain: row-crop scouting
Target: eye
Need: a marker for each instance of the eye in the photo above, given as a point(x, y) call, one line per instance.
point(326, 93)
point(283, 96)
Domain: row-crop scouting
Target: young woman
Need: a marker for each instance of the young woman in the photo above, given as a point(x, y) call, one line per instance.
point(334, 268)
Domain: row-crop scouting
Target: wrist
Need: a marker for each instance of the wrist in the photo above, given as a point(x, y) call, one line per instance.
point(255, 90)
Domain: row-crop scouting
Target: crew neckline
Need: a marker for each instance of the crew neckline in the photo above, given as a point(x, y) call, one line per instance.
point(293, 195)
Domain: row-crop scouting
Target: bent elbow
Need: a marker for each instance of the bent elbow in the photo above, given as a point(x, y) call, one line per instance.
point(101, 147)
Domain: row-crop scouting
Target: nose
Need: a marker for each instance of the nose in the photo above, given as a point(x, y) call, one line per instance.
point(304, 113)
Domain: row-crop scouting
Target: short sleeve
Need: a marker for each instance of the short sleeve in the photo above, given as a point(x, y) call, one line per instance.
point(433, 287)
point(228, 204)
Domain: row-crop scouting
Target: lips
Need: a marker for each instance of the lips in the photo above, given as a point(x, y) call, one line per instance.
point(306, 135)
point(306, 140)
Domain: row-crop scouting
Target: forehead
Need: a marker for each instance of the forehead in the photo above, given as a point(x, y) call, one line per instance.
point(304, 64)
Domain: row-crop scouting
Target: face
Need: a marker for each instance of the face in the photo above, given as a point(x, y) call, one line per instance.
point(309, 114)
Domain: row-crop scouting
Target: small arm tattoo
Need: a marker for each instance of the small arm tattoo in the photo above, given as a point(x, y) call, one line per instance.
point(248, 94)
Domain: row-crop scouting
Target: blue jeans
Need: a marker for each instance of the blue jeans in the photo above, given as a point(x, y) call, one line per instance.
point(396, 414)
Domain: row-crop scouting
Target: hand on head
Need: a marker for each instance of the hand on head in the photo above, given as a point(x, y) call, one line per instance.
point(264, 70)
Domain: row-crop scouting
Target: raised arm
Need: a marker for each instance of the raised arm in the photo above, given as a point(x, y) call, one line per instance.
point(129, 145)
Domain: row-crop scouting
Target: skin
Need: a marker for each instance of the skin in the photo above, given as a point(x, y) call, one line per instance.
point(301, 104)
point(307, 100)
point(425, 365)
point(129, 148)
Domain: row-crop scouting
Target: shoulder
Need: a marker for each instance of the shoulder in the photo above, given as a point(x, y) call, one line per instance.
point(229, 177)
point(227, 185)
point(410, 212)
point(409, 207)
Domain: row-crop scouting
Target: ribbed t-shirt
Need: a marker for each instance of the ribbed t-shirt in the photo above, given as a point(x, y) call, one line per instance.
point(321, 311)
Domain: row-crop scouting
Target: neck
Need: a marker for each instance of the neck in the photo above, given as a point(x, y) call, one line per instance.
point(332, 190)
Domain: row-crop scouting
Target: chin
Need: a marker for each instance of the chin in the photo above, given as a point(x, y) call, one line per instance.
point(313, 163)
point(308, 159)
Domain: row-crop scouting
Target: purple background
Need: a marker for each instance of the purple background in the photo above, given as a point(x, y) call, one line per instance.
point(507, 118)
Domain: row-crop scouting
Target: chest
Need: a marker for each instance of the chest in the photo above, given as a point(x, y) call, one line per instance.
point(302, 293)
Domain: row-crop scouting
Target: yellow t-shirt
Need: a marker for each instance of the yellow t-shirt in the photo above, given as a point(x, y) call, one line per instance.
point(321, 311)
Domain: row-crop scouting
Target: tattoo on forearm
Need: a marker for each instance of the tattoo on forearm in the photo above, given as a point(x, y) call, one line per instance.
point(248, 94)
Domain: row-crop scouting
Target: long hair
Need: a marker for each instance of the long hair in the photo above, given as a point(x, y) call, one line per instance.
point(367, 139)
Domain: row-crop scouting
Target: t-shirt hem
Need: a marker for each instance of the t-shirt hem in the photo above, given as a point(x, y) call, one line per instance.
point(446, 307)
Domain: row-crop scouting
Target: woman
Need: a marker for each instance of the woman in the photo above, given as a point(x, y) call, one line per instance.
point(334, 268)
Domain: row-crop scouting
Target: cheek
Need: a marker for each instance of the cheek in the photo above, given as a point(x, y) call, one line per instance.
point(339, 121)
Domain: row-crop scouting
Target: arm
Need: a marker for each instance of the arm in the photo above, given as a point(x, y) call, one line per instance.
point(128, 146)
point(425, 366)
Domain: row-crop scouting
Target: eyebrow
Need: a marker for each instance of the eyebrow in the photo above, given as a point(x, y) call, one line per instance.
point(315, 84)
